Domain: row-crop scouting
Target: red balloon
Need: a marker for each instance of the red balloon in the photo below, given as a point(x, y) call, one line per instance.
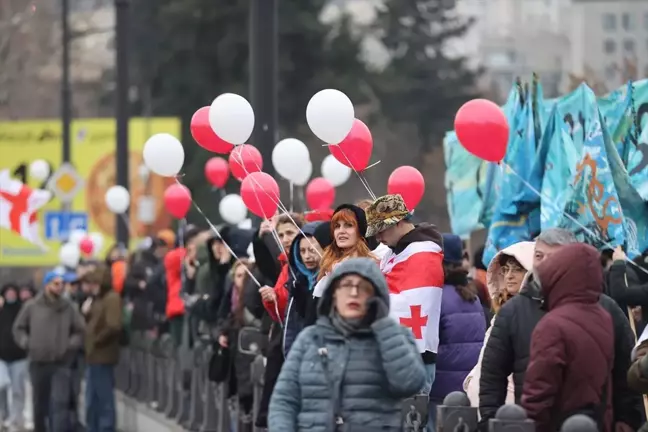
point(482, 129)
point(86, 246)
point(243, 160)
point(355, 150)
point(260, 193)
point(324, 215)
point(217, 171)
point(320, 194)
point(177, 200)
point(408, 182)
point(205, 136)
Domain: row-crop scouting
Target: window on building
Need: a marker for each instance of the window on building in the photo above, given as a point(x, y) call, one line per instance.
point(627, 22)
point(609, 22)
point(609, 46)
point(629, 46)
point(611, 71)
point(646, 20)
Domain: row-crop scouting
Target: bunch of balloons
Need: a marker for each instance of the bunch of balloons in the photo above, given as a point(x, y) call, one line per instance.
point(79, 244)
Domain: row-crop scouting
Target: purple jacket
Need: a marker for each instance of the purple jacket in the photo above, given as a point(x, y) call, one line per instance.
point(461, 335)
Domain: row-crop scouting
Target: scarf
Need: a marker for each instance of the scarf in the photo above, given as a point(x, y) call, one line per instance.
point(348, 327)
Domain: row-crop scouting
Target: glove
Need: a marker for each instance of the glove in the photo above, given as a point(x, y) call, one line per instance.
point(376, 309)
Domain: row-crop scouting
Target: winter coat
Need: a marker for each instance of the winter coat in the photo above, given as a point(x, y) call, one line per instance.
point(624, 286)
point(636, 378)
point(9, 349)
point(366, 374)
point(137, 290)
point(406, 266)
point(267, 256)
point(523, 253)
point(173, 265)
point(277, 311)
point(572, 347)
point(103, 329)
point(301, 282)
point(50, 330)
point(461, 336)
point(507, 352)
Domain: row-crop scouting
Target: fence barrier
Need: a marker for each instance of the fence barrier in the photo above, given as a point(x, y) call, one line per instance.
point(150, 372)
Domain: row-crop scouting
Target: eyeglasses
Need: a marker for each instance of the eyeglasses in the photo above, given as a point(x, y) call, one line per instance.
point(506, 269)
point(350, 288)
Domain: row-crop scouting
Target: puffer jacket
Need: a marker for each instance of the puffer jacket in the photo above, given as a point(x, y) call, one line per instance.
point(572, 347)
point(366, 374)
point(461, 336)
point(507, 352)
point(523, 253)
point(301, 282)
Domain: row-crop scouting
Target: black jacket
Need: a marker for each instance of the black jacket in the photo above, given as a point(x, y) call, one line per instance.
point(625, 287)
point(507, 352)
point(9, 350)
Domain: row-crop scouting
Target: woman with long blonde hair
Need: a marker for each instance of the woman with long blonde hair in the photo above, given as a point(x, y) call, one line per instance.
point(348, 228)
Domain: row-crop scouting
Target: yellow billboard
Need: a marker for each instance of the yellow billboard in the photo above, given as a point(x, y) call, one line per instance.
point(93, 145)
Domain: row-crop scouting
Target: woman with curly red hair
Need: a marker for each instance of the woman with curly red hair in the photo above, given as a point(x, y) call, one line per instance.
point(348, 227)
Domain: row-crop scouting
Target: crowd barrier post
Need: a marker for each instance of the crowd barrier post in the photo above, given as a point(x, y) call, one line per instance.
point(141, 362)
point(152, 391)
point(456, 414)
point(198, 377)
point(579, 423)
point(171, 408)
point(257, 375)
point(511, 417)
point(164, 365)
point(210, 409)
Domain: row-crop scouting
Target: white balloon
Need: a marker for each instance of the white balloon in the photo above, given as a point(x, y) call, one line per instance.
point(304, 175)
point(232, 209)
point(334, 171)
point(97, 243)
point(39, 170)
point(76, 236)
point(231, 117)
point(117, 199)
point(69, 255)
point(164, 154)
point(245, 224)
point(330, 115)
point(290, 157)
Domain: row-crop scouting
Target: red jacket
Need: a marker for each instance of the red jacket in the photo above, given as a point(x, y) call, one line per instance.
point(173, 267)
point(572, 347)
point(280, 291)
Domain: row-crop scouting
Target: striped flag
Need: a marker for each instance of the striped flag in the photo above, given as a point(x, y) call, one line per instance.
point(415, 279)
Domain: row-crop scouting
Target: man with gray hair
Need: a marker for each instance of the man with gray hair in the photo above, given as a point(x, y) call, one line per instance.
point(507, 350)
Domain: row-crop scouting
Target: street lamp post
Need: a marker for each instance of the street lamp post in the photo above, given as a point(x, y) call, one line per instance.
point(264, 75)
point(66, 92)
point(122, 11)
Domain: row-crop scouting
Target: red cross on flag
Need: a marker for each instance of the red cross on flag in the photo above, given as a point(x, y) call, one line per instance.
point(415, 279)
point(18, 206)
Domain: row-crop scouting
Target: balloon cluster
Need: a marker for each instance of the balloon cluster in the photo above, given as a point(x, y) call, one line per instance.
point(80, 244)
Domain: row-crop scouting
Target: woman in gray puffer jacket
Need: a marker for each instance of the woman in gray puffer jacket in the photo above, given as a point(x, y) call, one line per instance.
point(354, 367)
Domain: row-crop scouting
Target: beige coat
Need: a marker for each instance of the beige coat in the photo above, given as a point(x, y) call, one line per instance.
point(523, 253)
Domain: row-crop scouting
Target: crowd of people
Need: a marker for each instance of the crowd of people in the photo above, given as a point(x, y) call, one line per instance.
point(360, 311)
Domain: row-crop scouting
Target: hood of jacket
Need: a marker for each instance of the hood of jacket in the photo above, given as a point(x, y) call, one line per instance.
point(295, 260)
point(364, 267)
point(421, 232)
point(573, 274)
point(521, 251)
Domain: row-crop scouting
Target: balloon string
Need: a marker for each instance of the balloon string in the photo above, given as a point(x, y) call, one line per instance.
point(215, 230)
point(363, 180)
point(276, 200)
point(292, 196)
point(550, 201)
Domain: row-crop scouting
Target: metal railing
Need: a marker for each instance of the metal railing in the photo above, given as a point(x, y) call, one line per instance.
point(150, 372)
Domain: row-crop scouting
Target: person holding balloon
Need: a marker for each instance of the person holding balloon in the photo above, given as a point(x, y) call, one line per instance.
point(348, 227)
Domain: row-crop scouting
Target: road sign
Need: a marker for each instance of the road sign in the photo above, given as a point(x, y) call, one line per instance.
point(65, 183)
point(59, 225)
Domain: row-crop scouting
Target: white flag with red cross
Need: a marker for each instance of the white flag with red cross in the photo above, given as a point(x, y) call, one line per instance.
point(19, 205)
point(415, 279)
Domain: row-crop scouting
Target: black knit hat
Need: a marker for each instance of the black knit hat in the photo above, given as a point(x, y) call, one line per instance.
point(360, 216)
point(322, 234)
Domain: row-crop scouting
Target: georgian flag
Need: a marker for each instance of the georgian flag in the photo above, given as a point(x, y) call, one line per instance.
point(415, 279)
point(19, 205)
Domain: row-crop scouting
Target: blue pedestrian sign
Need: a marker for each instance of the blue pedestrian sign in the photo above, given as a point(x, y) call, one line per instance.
point(59, 225)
